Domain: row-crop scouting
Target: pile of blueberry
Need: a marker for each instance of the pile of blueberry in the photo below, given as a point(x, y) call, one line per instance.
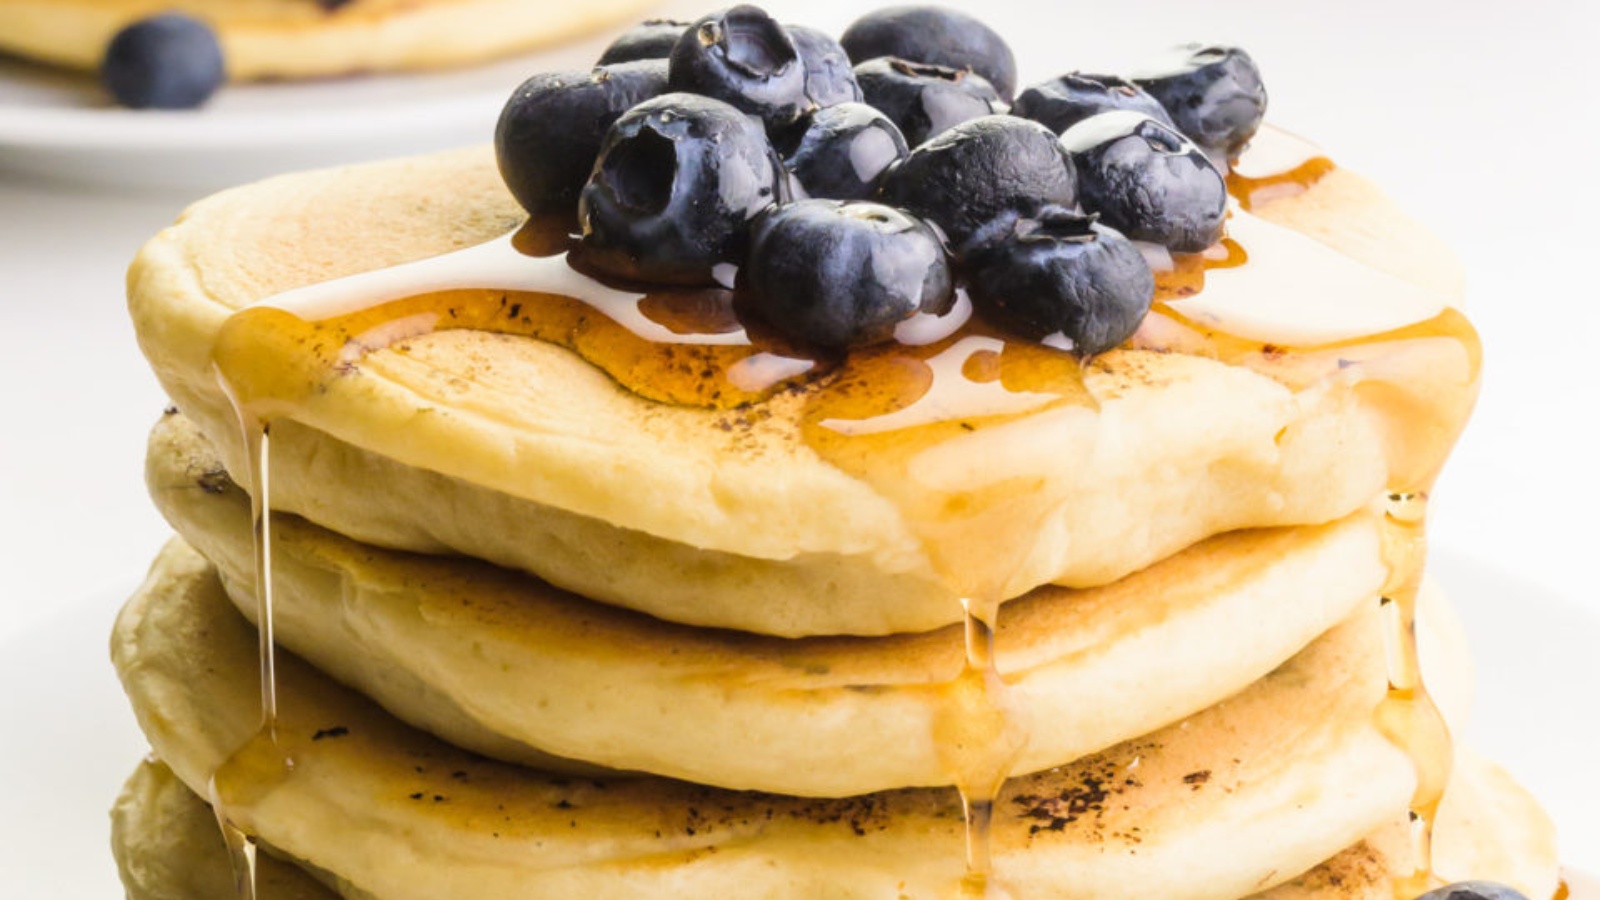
point(852, 184)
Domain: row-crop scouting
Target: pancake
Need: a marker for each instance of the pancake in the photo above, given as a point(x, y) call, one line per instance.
point(264, 39)
point(168, 846)
point(505, 665)
point(524, 453)
point(1233, 800)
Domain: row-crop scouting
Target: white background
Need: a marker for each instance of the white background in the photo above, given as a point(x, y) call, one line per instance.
point(1479, 117)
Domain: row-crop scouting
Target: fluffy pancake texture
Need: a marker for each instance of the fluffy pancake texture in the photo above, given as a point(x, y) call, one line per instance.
point(301, 38)
point(503, 664)
point(1271, 782)
point(522, 453)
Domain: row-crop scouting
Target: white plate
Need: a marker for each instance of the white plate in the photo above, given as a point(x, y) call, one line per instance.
point(68, 739)
point(61, 126)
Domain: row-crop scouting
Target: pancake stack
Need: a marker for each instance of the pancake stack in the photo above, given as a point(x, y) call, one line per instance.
point(554, 618)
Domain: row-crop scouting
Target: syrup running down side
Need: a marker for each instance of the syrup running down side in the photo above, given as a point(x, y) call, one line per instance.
point(920, 420)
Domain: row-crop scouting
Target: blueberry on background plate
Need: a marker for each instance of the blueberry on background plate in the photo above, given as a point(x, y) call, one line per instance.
point(933, 34)
point(922, 99)
point(830, 78)
point(835, 274)
point(550, 130)
point(1064, 274)
point(677, 180)
point(743, 57)
point(975, 180)
point(1474, 890)
point(169, 61)
point(650, 39)
point(1213, 93)
point(1147, 180)
point(1062, 102)
point(844, 151)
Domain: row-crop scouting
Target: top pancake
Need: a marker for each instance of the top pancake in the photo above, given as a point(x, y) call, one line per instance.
point(302, 38)
point(523, 453)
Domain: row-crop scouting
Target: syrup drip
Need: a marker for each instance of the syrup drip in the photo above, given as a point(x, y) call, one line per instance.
point(919, 419)
point(1407, 715)
point(261, 763)
point(980, 742)
point(241, 852)
point(914, 423)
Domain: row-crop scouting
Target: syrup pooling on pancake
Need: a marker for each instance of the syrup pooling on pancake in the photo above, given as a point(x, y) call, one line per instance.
point(924, 422)
point(1280, 166)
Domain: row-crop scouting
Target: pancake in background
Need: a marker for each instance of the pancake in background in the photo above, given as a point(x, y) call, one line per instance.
point(500, 663)
point(264, 39)
point(1268, 783)
point(525, 454)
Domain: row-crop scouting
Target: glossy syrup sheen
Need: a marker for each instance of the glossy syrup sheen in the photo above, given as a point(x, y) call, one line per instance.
point(881, 414)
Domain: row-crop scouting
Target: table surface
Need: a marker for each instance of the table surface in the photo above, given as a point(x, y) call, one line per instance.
point(1478, 117)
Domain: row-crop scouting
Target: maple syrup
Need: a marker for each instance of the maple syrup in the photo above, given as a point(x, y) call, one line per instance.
point(912, 418)
point(1282, 166)
point(1407, 715)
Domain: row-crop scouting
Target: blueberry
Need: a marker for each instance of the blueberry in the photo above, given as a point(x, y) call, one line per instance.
point(650, 39)
point(1474, 890)
point(677, 180)
point(844, 151)
point(977, 179)
point(1213, 93)
point(829, 77)
point(836, 274)
point(744, 58)
point(1064, 276)
point(550, 130)
point(925, 100)
point(1147, 180)
point(1062, 102)
point(169, 61)
point(932, 34)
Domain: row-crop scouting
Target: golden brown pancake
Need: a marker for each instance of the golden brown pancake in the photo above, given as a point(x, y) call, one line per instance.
point(168, 845)
point(526, 454)
point(503, 664)
point(1231, 801)
point(303, 38)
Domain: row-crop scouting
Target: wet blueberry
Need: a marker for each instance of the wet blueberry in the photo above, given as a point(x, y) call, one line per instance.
point(550, 130)
point(934, 35)
point(925, 100)
point(1213, 93)
point(650, 39)
point(977, 179)
point(169, 61)
point(1147, 180)
point(835, 274)
point(1474, 890)
point(830, 79)
point(677, 180)
point(742, 57)
point(1064, 279)
point(1062, 102)
point(844, 151)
